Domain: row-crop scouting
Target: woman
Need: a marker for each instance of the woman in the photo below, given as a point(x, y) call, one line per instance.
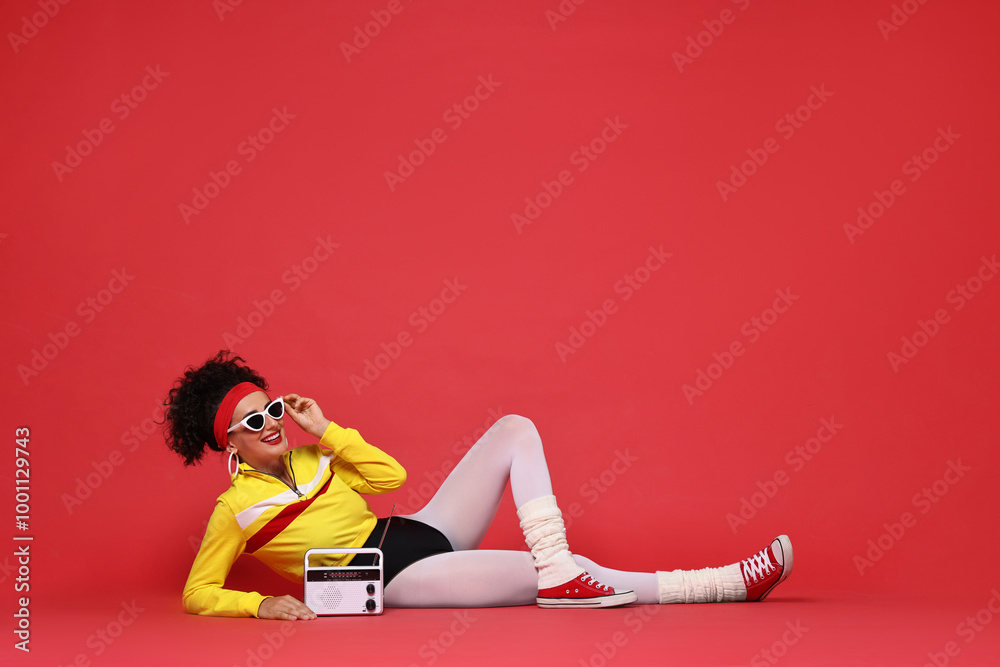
point(282, 502)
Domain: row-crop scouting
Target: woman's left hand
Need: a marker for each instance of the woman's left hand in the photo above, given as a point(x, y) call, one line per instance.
point(306, 413)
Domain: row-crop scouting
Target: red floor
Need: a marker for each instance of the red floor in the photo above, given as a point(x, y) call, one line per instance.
point(822, 628)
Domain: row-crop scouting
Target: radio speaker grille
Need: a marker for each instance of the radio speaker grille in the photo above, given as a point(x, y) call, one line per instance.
point(331, 597)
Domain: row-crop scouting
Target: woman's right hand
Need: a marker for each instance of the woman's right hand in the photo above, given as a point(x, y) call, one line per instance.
point(285, 607)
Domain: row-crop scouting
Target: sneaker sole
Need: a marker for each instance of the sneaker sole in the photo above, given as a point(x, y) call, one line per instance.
point(786, 567)
point(615, 600)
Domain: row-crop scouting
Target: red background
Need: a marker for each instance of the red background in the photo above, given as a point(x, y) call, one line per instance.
point(494, 350)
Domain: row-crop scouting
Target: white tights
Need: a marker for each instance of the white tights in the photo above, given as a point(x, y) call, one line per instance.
point(463, 509)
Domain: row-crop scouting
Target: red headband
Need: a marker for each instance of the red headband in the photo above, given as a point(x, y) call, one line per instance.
point(224, 415)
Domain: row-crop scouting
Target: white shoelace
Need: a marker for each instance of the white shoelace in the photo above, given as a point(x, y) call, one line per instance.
point(588, 578)
point(757, 566)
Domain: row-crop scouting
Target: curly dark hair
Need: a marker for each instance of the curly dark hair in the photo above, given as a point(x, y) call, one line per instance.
point(192, 403)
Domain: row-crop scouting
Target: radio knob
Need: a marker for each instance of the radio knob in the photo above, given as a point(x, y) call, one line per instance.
point(371, 590)
point(370, 605)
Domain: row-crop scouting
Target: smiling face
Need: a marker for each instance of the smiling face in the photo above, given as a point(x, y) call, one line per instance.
point(261, 449)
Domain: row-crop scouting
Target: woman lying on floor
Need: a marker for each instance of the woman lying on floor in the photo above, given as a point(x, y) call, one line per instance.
point(282, 502)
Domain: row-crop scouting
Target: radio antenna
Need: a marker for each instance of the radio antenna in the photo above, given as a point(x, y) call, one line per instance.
point(386, 529)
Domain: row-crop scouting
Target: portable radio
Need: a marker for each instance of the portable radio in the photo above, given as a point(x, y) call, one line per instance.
point(339, 590)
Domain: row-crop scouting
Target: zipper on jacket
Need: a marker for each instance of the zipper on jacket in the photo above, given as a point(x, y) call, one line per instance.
point(291, 471)
point(297, 492)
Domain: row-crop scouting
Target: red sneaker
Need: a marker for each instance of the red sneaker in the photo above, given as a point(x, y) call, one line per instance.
point(584, 592)
point(765, 570)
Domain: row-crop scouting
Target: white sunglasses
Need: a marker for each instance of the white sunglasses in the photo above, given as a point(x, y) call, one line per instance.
point(255, 420)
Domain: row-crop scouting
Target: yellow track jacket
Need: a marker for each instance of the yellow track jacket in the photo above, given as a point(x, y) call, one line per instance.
point(262, 516)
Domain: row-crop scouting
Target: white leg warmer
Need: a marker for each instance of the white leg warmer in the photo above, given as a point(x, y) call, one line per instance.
point(711, 584)
point(545, 534)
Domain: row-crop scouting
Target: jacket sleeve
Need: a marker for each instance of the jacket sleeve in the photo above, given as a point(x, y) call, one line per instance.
point(222, 545)
point(363, 467)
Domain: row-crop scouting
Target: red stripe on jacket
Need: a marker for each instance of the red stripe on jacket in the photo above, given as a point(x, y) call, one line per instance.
point(272, 528)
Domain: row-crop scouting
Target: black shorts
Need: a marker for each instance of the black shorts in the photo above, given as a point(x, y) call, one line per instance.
point(406, 542)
